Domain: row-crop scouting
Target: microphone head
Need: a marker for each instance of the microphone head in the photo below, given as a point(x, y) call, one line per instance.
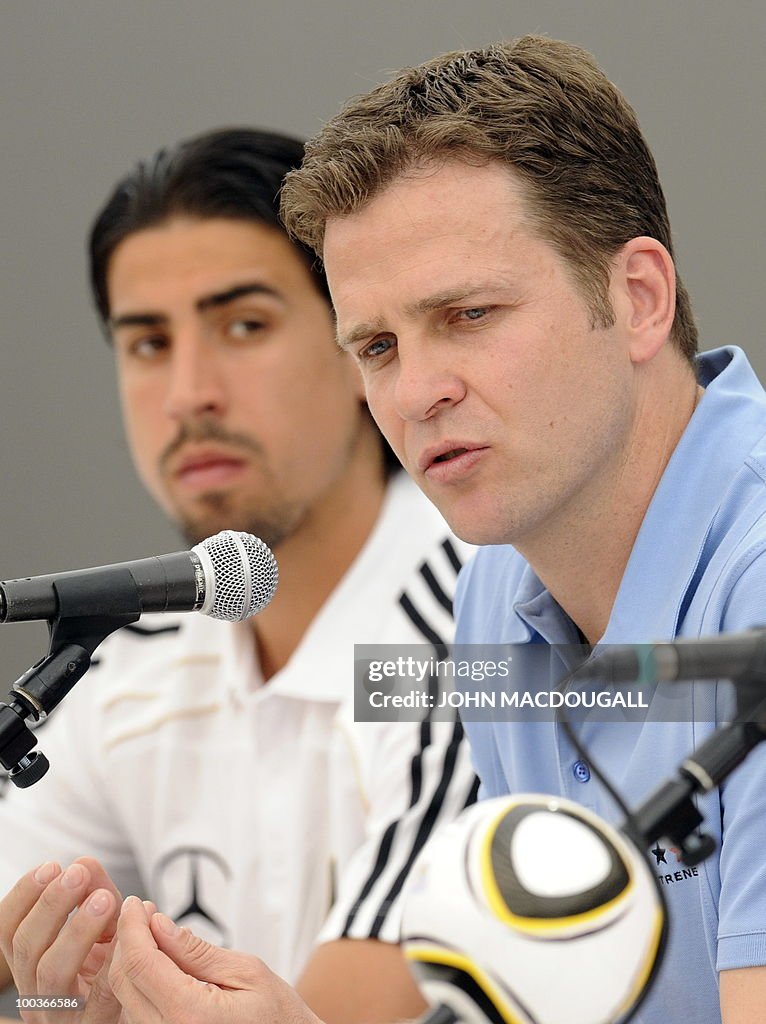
point(241, 575)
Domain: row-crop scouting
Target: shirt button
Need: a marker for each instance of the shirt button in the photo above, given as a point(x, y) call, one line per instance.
point(581, 771)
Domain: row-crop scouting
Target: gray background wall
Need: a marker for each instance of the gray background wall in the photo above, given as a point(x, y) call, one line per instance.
point(88, 86)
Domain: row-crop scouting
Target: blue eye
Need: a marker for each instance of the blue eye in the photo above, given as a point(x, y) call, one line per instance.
point(376, 348)
point(476, 313)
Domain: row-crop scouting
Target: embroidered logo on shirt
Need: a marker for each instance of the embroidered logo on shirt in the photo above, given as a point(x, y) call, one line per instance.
point(683, 874)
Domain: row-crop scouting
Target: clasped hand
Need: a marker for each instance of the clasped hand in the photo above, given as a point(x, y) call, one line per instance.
point(68, 934)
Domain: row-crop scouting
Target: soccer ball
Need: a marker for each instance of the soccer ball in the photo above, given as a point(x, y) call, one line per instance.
point(532, 910)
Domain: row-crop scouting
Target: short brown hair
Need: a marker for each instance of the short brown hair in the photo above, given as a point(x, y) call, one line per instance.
point(542, 106)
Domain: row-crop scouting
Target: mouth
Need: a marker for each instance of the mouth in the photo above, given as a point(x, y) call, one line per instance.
point(452, 454)
point(207, 470)
point(445, 460)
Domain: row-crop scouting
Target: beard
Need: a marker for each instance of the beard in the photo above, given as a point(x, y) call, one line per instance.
point(265, 513)
point(218, 512)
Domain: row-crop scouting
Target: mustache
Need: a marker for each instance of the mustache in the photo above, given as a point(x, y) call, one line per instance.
point(208, 430)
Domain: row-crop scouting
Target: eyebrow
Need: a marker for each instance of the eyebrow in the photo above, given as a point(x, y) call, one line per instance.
point(212, 301)
point(359, 333)
point(428, 304)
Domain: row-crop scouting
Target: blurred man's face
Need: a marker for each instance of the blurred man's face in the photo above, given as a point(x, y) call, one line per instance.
point(239, 409)
point(477, 351)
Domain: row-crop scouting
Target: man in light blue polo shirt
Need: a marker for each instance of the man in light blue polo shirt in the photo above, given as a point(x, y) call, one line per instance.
point(500, 260)
point(697, 567)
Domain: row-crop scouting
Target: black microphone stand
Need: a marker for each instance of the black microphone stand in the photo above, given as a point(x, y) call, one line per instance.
point(669, 812)
point(74, 636)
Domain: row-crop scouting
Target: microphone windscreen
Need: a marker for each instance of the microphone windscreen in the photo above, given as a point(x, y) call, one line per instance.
point(241, 575)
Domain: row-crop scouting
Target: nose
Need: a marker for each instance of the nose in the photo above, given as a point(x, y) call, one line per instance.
point(425, 382)
point(196, 383)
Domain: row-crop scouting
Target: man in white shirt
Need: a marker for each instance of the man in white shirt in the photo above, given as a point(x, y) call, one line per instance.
point(217, 766)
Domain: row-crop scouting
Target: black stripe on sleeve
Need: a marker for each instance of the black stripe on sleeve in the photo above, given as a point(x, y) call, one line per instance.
point(427, 631)
point(435, 587)
point(473, 793)
point(387, 839)
point(426, 828)
point(452, 555)
point(416, 772)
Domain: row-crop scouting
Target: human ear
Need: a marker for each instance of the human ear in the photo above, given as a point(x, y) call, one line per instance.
point(644, 279)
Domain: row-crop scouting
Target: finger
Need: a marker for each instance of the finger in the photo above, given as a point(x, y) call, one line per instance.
point(94, 961)
point(238, 986)
point(139, 968)
point(135, 1007)
point(222, 967)
point(100, 879)
point(102, 1006)
point(19, 900)
point(60, 964)
point(42, 924)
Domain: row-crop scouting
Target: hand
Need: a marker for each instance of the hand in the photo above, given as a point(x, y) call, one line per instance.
point(157, 969)
point(51, 954)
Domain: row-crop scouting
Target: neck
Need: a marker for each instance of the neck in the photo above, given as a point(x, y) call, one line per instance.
point(581, 559)
point(314, 559)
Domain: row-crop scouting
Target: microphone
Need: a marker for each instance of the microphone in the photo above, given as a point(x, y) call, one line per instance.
point(729, 656)
point(229, 576)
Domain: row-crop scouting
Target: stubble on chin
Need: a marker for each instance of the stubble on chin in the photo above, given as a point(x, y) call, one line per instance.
point(217, 512)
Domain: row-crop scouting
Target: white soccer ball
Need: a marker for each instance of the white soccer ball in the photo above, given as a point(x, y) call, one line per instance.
point(531, 909)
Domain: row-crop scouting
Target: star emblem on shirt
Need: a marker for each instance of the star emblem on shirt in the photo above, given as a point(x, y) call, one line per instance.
point(659, 853)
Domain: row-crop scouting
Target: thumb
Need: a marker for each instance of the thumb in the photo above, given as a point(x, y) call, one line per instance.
point(223, 967)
